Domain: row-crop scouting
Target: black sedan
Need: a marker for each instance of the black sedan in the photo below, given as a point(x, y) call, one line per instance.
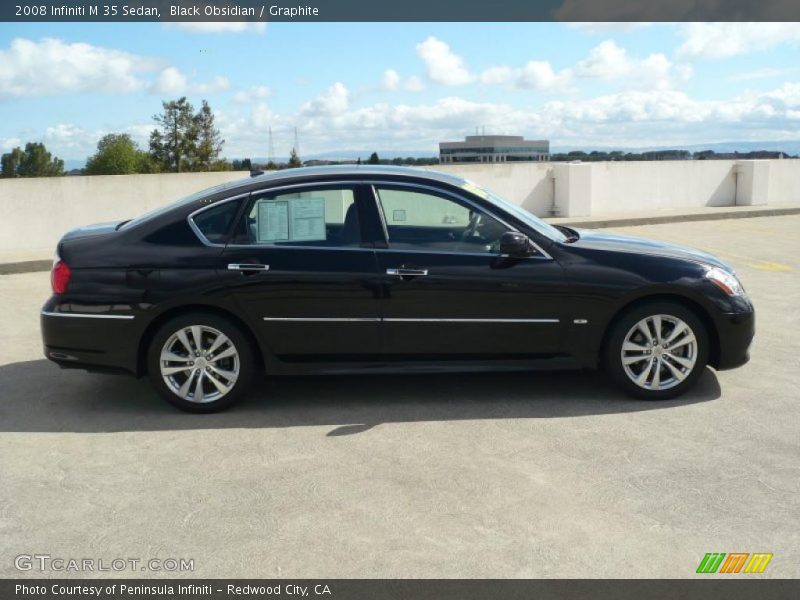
point(373, 269)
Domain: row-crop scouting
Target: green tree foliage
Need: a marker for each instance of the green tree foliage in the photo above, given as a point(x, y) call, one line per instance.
point(373, 159)
point(34, 161)
point(294, 160)
point(173, 144)
point(118, 154)
point(271, 166)
point(208, 141)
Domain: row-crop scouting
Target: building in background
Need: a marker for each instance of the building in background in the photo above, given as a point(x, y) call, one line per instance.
point(494, 149)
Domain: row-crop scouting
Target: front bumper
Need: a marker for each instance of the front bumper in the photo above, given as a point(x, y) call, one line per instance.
point(736, 331)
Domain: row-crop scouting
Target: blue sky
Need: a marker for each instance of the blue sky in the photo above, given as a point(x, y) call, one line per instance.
point(403, 86)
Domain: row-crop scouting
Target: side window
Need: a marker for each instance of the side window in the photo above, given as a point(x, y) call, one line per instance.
point(310, 217)
point(215, 223)
point(422, 221)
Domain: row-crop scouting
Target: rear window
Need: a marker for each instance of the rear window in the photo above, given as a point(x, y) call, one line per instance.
point(215, 223)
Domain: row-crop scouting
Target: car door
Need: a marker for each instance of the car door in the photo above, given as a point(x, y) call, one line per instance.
point(297, 267)
point(448, 292)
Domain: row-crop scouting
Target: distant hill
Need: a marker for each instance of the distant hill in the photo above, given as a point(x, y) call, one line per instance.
point(788, 146)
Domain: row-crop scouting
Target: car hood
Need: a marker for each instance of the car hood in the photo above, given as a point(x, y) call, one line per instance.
point(623, 243)
point(92, 230)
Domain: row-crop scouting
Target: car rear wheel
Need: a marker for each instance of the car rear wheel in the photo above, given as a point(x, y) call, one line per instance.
point(657, 350)
point(201, 362)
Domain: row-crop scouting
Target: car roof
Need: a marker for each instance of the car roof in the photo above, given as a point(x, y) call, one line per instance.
point(299, 175)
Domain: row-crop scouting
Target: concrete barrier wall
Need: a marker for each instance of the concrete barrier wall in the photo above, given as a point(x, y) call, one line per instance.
point(619, 187)
point(36, 212)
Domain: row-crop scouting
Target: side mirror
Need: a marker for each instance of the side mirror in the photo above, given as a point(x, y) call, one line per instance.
point(514, 243)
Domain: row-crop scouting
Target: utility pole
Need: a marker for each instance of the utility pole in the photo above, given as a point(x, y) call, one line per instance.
point(271, 157)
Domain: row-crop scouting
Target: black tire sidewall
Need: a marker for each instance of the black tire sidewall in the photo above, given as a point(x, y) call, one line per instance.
point(226, 326)
point(613, 359)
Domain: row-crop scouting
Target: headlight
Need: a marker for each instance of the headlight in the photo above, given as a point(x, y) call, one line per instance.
point(725, 281)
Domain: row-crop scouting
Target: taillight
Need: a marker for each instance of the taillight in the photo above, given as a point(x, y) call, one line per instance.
point(59, 276)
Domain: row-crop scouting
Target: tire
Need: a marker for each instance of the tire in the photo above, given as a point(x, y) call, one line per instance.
point(671, 371)
point(224, 375)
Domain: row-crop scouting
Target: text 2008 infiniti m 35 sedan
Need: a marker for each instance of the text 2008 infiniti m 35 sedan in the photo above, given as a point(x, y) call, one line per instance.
point(339, 269)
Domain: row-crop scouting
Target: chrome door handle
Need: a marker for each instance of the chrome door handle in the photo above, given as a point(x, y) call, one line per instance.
point(407, 272)
point(248, 267)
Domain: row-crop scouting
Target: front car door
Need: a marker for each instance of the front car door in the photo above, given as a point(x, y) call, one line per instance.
point(449, 293)
point(298, 268)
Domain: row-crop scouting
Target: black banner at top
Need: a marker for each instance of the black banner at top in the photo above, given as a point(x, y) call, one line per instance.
point(399, 10)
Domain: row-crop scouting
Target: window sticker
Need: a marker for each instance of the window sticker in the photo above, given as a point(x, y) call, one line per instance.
point(308, 219)
point(297, 219)
point(273, 221)
point(398, 215)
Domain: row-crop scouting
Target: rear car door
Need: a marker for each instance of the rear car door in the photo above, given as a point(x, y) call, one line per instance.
point(298, 268)
point(449, 293)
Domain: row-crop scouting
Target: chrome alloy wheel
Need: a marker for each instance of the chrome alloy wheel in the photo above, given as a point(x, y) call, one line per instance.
point(199, 363)
point(659, 352)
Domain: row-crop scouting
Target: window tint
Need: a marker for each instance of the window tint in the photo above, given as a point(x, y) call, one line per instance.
point(318, 217)
point(423, 221)
point(215, 223)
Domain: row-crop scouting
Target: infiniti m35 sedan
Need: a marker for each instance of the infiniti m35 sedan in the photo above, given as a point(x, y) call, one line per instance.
point(378, 269)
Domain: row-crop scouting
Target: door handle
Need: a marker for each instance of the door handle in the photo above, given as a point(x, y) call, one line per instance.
point(407, 272)
point(248, 268)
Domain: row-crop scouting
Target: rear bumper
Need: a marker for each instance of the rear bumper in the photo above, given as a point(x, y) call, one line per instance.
point(736, 331)
point(94, 342)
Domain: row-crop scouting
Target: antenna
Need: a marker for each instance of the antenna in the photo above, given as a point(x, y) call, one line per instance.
point(296, 142)
point(271, 157)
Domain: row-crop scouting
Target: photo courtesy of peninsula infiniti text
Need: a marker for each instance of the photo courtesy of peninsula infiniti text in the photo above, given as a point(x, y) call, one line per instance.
point(380, 269)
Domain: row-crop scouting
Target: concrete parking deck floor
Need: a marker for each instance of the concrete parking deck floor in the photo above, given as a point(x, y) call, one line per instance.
point(522, 475)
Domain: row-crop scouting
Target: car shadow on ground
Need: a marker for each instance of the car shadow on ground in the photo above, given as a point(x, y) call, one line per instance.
point(37, 396)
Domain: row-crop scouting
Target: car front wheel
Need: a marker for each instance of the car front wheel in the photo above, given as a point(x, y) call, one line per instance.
point(200, 362)
point(657, 350)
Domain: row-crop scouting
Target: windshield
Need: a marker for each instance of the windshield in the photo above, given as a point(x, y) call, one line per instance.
point(523, 215)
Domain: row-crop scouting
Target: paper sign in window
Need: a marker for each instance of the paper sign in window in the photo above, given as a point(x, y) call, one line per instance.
point(307, 219)
point(273, 221)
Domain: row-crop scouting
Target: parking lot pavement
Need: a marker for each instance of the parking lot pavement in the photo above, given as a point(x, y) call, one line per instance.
point(501, 475)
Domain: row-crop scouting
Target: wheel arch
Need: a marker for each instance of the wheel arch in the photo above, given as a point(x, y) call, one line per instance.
point(157, 322)
point(689, 303)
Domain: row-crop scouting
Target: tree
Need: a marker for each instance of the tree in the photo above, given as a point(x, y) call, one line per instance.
point(118, 154)
point(294, 160)
point(173, 145)
point(271, 166)
point(34, 161)
point(373, 159)
point(10, 163)
point(209, 143)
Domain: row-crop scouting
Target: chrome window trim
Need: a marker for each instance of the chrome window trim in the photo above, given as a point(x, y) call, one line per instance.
point(190, 219)
point(86, 315)
point(354, 182)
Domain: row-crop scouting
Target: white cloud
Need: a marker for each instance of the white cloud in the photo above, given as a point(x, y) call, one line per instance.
point(256, 92)
point(443, 65)
point(390, 80)
point(724, 40)
point(334, 101)
point(171, 81)
point(763, 73)
point(203, 27)
point(53, 67)
point(414, 84)
point(9, 143)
